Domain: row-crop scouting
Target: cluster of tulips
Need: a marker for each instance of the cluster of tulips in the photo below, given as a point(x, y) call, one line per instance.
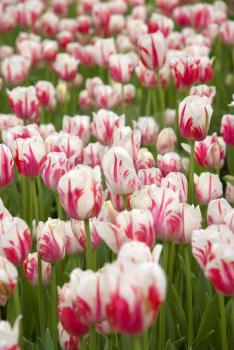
point(116, 175)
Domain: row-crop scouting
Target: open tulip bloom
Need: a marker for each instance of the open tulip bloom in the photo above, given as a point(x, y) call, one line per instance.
point(116, 175)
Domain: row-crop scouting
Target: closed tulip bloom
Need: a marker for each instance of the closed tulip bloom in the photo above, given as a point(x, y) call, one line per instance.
point(170, 116)
point(133, 287)
point(80, 192)
point(8, 121)
point(51, 241)
point(66, 340)
point(46, 94)
point(119, 170)
point(208, 187)
point(169, 162)
point(49, 50)
point(103, 49)
point(91, 83)
point(185, 71)
point(85, 101)
point(145, 159)
point(227, 129)
point(48, 24)
point(150, 176)
point(6, 166)
point(29, 155)
point(204, 90)
point(15, 69)
point(227, 32)
point(65, 66)
point(205, 69)
point(194, 117)
point(128, 139)
point(178, 183)
point(8, 280)
point(93, 154)
point(104, 124)
point(153, 49)
point(229, 193)
point(31, 270)
point(217, 210)
point(15, 239)
point(182, 15)
point(105, 96)
point(167, 6)
point(148, 128)
point(211, 152)
point(135, 29)
point(10, 135)
point(71, 145)
point(23, 102)
point(67, 316)
point(31, 50)
point(135, 252)
point(147, 77)
point(166, 141)
point(202, 15)
point(175, 41)
point(229, 219)
point(160, 23)
point(46, 129)
point(120, 67)
point(9, 336)
point(79, 125)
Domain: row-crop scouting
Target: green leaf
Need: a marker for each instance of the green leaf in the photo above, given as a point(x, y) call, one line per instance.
point(204, 341)
point(170, 346)
point(177, 309)
point(229, 179)
point(126, 345)
point(48, 341)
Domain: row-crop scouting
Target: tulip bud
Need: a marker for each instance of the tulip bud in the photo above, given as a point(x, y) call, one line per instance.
point(62, 93)
point(229, 193)
point(227, 32)
point(177, 182)
point(15, 69)
point(104, 124)
point(45, 92)
point(148, 128)
point(128, 139)
point(145, 159)
point(169, 162)
point(120, 67)
point(79, 125)
point(65, 66)
point(51, 241)
point(85, 101)
point(166, 141)
point(204, 90)
point(103, 49)
point(150, 176)
point(8, 280)
point(31, 270)
point(105, 96)
point(153, 49)
point(23, 102)
point(210, 153)
point(135, 252)
point(15, 239)
point(208, 187)
point(80, 192)
point(194, 117)
point(6, 166)
point(170, 116)
point(227, 129)
point(49, 50)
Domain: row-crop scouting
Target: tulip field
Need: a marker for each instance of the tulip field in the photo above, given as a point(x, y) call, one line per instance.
point(116, 175)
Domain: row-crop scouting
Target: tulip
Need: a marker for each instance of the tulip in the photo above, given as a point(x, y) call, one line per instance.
point(166, 141)
point(62, 92)
point(65, 37)
point(167, 6)
point(67, 341)
point(9, 336)
point(104, 124)
point(201, 15)
point(46, 129)
point(103, 49)
point(227, 32)
point(85, 101)
point(49, 50)
point(169, 162)
point(205, 70)
point(147, 77)
point(182, 15)
point(204, 90)
point(211, 152)
point(3, 211)
point(160, 23)
point(118, 168)
point(51, 241)
point(227, 129)
point(185, 71)
point(105, 96)
point(90, 85)
point(65, 66)
point(229, 193)
point(23, 102)
point(21, 132)
point(129, 139)
point(194, 117)
point(31, 270)
point(149, 176)
point(170, 116)
point(136, 252)
point(145, 159)
point(8, 280)
point(217, 210)
point(15, 239)
point(71, 145)
point(45, 92)
point(15, 69)
point(208, 187)
point(80, 192)
point(30, 49)
point(48, 24)
point(29, 155)
point(7, 166)
point(175, 41)
point(148, 128)
point(120, 67)
point(79, 125)
point(8, 121)
point(153, 49)
point(177, 182)
point(135, 29)
point(93, 154)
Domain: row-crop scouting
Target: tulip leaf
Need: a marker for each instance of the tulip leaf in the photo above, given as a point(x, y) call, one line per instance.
point(177, 308)
point(204, 340)
point(47, 341)
point(170, 345)
point(125, 343)
point(229, 179)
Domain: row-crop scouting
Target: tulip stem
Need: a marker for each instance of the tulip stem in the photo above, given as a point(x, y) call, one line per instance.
point(162, 315)
point(59, 207)
point(161, 102)
point(189, 297)
point(17, 312)
point(136, 343)
point(223, 325)
point(171, 262)
point(24, 195)
point(122, 98)
point(148, 102)
point(40, 193)
point(54, 317)
point(191, 173)
point(34, 199)
point(90, 258)
point(40, 298)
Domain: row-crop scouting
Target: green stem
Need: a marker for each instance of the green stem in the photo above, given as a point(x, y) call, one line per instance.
point(34, 197)
point(59, 207)
point(161, 102)
point(171, 262)
point(40, 193)
point(122, 99)
point(145, 340)
point(189, 297)
point(54, 317)
point(191, 174)
point(162, 315)
point(136, 343)
point(148, 102)
point(223, 322)
point(90, 258)
point(40, 298)
point(17, 312)
point(92, 338)
point(24, 198)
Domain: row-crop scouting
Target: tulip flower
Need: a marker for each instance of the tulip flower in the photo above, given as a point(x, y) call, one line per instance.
point(147, 77)
point(103, 49)
point(229, 193)
point(31, 270)
point(85, 101)
point(30, 49)
point(51, 241)
point(153, 49)
point(7, 166)
point(66, 340)
point(120, 67)
point(128, 139)
point(8, 121)
point(185, 71)
point(49, 50)
point(118, 168)
point(79, 125)
point(177, 182)
point(8, 280)
point(15, 69)
point(93, 154)
point(65, 66)
point(204, 90)
point(145, 159)
point(194, 117)
point(138, 252)
point(160, 23)
point(169, 162)
point(227, 129)
point(80, 192)
point(45, 92)
point(182, 15)
point(20, 132)
point(208, 187)
point(201, 15)
point(23, 102)
point(105, 96)
point(3, 211)
point(46, 129)
point(15, 239)
point(166, 141)
point(211, 152)
point(150, 176)
point(227, 32)
point(217, 210)
point(9, 336)
point(148, 128)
